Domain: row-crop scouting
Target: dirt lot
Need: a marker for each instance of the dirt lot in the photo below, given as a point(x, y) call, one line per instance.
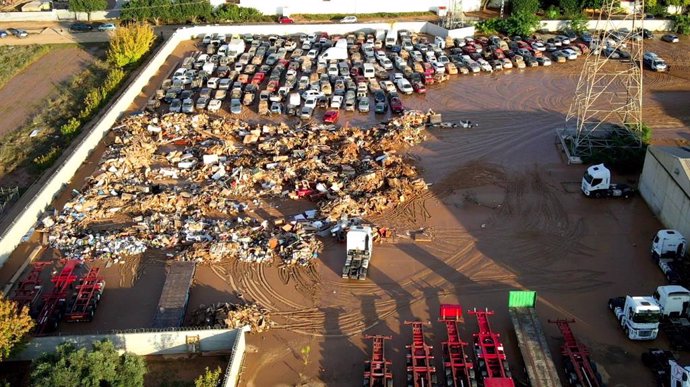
point(503, 211)
point(22, 95)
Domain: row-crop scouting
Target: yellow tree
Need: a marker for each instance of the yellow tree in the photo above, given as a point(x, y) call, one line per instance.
point(130, 43)
point(14, 326)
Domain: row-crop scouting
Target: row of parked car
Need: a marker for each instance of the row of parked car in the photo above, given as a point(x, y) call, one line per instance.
point(16, 32)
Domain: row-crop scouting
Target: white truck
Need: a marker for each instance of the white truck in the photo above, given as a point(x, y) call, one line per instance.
point(359, 241)
point(654, 62)
point(638, 316)
point(338, 52)
point(668, 251)
point(596, 182)
point(674, 303)
point(667, 371)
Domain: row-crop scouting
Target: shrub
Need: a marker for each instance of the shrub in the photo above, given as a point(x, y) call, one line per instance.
point(552, 12)
point(235, 13)
point(578, 23)
point(47, 159)
point(71, 127)
point(681, 24)
point(528, 6)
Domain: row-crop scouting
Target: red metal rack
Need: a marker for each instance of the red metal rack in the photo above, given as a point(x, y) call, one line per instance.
point(85, 301)
point(579, 368)
point(377, 370)
point(458, 367)
point(29, 289)
point(490, 356)
point(420, 371)
point(54, 301)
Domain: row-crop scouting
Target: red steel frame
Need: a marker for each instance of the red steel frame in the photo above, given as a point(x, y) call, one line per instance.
point(91, 286)
point(456, 360)
point(51, 307)
point(420, 358)
point(577, 353)
point(378, 374)
point(29, 288)
point(488, 348)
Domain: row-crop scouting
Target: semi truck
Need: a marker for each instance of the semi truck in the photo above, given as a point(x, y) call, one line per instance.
point(358, 243)
point(596, 183)
point(638, 316)
point(667, 371)
point(668, 251)
point(531, 339)
point(674, 303)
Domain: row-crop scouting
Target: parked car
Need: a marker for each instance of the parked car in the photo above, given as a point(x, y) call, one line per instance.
point(18, 32)
point(349, 19)
point(80, 27)
point(3, 34)
point(543, 61)
point(107, 27)
point(396, 104)
point(306, 113)
point(331, 116)
point(336, 101)
point(286, 20)
point(202, 103)
point(175, 106)
point(671, 38)
point(214, 105)
point(363, 105)
point(380, 107)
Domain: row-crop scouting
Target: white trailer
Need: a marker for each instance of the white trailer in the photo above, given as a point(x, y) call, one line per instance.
point(358, 243)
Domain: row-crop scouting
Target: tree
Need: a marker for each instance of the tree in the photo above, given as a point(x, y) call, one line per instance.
point(130, 43)
point(87, 6)
point(528, 6)
point(209, 378)
point(570, 7)
point(578, 23)
point(14, 326)
point(681, 24)
point(101, 366)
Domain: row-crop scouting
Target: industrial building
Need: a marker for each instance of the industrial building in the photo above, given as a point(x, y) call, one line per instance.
point(665, 185)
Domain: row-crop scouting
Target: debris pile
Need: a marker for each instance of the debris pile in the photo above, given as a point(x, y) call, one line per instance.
point(226, 315)
point(189, 186)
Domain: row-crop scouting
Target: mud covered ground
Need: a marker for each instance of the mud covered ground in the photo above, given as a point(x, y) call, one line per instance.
point(503, 212)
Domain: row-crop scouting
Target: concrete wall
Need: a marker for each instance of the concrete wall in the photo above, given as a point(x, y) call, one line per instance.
point(75, 155)
point(652, 25)
point(232, 372)
point(665, 197)
point(280, 7)
point(57, 15)
point(169, 342)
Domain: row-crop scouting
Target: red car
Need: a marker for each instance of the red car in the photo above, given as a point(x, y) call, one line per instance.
point(418, 87)
point(396, 105)
point(285, 20)
point(331, 116)
point(258, 78)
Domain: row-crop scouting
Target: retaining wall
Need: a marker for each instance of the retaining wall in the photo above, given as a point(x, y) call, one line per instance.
point(57, 15)
point(281, 7)
point(652, 25)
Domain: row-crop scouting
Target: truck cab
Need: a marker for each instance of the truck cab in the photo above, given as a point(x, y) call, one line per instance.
point(669, 244)
point(596, 182)
point(358, 243)
point(638, 316)
point(673, 300)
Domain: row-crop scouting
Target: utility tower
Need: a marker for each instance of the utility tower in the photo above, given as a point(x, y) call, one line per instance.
point(607, 108)
point(455, 16)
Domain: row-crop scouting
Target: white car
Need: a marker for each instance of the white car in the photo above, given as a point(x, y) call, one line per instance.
point(484, 65)
point(312, 53)
point(386, 64)
point(438, 67)
point(311, 94)
point(538, 46)
point(387, 86)
point(306, 113)
point(349, 19)
point(404, 86)
point(507, 64)
point(380, 55)
point(310, 103)
point(333, 70)
point(570, 54)
point(336, 101)
point(214, 105)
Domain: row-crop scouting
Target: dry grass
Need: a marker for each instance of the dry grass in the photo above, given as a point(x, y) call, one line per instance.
point(14, 59)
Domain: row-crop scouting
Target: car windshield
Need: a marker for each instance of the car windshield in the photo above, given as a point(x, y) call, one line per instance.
point(647, 317)
point(588, 178)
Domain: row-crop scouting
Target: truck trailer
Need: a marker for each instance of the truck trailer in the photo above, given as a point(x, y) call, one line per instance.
point(579, 369)
point(491, 358)
point(531, 340)
point(456, 363)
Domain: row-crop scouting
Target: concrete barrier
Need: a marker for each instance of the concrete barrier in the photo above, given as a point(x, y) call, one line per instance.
point(57, 15)
point(76, 154)
point(165, 342)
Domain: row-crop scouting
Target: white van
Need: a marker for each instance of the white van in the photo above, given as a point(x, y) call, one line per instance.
point(369, 70)
point(391, 39)
point(440, 42)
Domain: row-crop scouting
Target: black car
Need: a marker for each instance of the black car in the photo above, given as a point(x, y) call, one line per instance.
point(81, 27)
point(570, 34)
point(379, 96)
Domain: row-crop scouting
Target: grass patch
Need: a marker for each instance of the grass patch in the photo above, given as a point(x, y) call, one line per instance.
point(360, 16)
point(14, 59)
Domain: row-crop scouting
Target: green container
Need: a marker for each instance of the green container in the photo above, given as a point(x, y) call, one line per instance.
point(522, 299)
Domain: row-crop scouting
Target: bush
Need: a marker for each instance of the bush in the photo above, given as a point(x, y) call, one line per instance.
point(570, 7)
point(235, 13)
point(521, 23)
point(209, 378)
point(578, 23)
point(71, 127)
point(552, 13)
point(488, 26)
point(130, 43)
point(47, 159)
point(681, 24)
point(528, 6)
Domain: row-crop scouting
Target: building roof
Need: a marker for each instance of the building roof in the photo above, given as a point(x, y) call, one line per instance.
point(676, 161)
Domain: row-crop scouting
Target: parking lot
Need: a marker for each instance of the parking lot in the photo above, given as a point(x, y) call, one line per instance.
point(502, 212)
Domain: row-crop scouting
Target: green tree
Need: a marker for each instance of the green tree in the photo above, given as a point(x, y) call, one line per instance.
point(681, 24)
point(528, 6)
point(578, 23)
point(234, 13)
point(209, 378)
point(87, 6)
point(101, 366)
point(129, 44)
point(521, 23)
point(155, 11)
point(570, 7)
point(592, 4)
point(14, 326)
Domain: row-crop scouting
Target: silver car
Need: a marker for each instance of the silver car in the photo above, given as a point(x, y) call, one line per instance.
point(188, 105)
point(175, 106)
point(363, 105)
point(235, 106)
